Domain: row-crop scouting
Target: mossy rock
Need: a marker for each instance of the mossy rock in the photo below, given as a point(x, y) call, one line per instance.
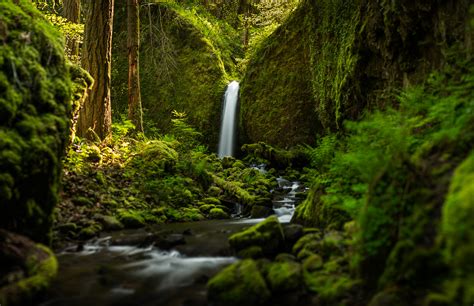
point(259, 211)
point(457, 231)
point(37, 263)
point(35, 108)
point(239, 284)
point(284, 277)
point(273, 156)
point(131, 218)
point(253, 252)
point(218, 213)
point(206, 208)
point(90, 231)
point(268, 234)
point(213, 201)
point(109, 223)
point(82, 201)
point(214, 191)
point(307, 242)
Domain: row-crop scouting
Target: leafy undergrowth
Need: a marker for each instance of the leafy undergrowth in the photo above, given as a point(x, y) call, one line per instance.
point(391, 173)
point(133, 181)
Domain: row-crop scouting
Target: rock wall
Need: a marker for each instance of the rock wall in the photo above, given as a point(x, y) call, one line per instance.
point(35, 94)
point(333, 59)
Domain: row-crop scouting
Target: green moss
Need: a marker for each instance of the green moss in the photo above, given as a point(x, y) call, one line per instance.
point(268, 234)
point(35, 91)
point(239, 284)
point(95, 228)
point(284, 277)
point(41, 272)
point(213, 201)
point(131, 218)
point(206, 208)
point(253, 252)
point(457, 230)
point(218, 213)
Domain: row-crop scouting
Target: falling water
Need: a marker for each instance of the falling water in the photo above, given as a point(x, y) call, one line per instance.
point(229, 122)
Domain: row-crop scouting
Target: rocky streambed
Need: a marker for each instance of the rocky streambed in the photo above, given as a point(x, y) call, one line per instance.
point(167, 264)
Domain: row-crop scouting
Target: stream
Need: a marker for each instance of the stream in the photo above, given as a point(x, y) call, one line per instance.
point(167, 264)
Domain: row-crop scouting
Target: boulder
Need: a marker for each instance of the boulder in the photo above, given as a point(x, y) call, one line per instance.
point(239, 284)
point(268, 234)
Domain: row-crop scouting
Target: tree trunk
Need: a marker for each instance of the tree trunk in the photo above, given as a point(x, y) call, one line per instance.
point(135, 113)
point(72, 12)
point(96, 114)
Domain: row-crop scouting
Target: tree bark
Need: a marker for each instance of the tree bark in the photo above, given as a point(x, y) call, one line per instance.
point(135, 113)
point(72, 12)
point(96, 114)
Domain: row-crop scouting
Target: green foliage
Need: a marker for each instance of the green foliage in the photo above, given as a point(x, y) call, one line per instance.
point(186, 61)
point(391, 173)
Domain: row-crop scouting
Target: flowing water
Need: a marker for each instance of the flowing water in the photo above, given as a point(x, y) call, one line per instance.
point(134, 267)
point(227, 139)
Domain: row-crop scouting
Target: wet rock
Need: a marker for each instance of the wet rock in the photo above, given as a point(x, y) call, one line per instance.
point(109, 223)
point(268, 234)
point(239, 284)
point(188, 232)
point(259, 211)
point(170, 241)
point(292, 232)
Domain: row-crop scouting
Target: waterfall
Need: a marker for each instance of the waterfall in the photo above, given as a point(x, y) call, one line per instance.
point(229, 122)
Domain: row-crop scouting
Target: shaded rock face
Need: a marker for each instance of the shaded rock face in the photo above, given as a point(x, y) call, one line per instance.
point(35, 93)
point(182, 68)
point(277, 106)
point(333, 59)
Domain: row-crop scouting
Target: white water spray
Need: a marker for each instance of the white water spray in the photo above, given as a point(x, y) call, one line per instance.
point(229, 122)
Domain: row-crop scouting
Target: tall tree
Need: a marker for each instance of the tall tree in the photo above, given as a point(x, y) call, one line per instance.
point(96, 113)
point(135, 113)
point(72, 12)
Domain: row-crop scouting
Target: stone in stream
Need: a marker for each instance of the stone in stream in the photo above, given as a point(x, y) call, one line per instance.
point(268, 235)
point(259, 211)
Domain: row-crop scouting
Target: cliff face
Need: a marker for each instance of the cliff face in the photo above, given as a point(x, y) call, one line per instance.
point(35, 94)
point(277, 105)
point(185, 65)
point(350, 57)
